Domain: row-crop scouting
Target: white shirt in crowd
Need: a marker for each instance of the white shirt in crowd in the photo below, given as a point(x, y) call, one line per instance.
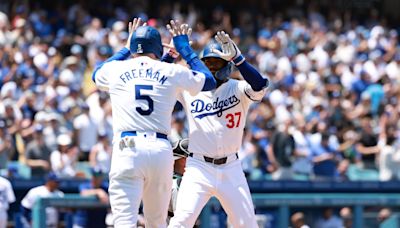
point(103, 159)
point(62, 164)
point(41, 191)
point(87, 131)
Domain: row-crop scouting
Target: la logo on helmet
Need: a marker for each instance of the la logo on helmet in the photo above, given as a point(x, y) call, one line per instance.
point(139, 49)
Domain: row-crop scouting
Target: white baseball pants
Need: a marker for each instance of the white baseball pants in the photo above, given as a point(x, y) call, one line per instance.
point(226, 182)
point(141, 172)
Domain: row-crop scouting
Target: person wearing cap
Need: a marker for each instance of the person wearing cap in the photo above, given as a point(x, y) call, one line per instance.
point(6, 197)
point(38, 154)
point(85, 132)
point(95, 187)
point(49, 189)
point(63, 160)
point(72, 74)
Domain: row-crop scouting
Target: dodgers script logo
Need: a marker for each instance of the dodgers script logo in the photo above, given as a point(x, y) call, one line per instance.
point(215, 108)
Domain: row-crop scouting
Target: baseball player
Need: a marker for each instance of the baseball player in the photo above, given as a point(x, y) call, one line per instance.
point(216, 122)
point(143, 91)
point(49, 189)
point(6, 197)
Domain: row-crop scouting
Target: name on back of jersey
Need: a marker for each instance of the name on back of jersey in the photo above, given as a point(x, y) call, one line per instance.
point(217, 107)
point(143, 73)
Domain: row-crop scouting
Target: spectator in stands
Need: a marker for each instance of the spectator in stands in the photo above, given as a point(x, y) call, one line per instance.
point(298, 220)
point(6, 197)
point(328, 220)
point(325, 159)
point(303, 162)
point(367, 145)
point(389, 157)
point(63, 160)
point(85, 133)
point(13, 118)
point(281, 151)
point(52, 129)
point(49, 189)
point(6, 146)
point(100, 155)
point(347, 217)
point(94, 217)
point(38, 154)
point(384, 214)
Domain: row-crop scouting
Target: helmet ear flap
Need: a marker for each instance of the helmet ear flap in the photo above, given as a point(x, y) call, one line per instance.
point(225, 72)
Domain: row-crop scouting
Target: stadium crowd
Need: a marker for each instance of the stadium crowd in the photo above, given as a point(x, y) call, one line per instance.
point(331, 112)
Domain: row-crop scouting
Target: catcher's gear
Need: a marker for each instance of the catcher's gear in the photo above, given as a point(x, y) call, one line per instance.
point(180, 148)
point(146, 39)
point(209, 52)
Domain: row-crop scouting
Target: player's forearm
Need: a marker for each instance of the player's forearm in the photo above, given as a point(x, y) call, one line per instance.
point(252, 76)
point(123, 54)
point(197, 65)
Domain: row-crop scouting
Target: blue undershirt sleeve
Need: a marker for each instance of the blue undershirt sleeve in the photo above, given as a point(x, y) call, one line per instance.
point(197, 65)
point(252, 76)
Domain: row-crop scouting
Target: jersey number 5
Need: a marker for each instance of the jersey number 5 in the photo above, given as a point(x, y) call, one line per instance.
point(147, 98)
point(231, 119)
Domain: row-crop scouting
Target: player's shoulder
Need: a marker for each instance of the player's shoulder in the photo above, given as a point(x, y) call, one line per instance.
point(4, 181)
point(38, 190)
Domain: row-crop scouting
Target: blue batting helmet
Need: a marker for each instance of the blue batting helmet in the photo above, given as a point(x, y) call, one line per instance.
point(225, 71)
point(146, 39)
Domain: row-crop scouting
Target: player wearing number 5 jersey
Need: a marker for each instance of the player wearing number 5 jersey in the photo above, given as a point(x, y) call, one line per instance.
point(216, 122)
point(143, 91)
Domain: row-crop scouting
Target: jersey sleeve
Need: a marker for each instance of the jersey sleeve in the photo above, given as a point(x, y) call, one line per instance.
point(29, 200)
point(102, 75)
point(190, 80)
point(246, 90)
point(10, 193)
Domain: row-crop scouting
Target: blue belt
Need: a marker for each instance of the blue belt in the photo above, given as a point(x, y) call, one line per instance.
point(134, 133)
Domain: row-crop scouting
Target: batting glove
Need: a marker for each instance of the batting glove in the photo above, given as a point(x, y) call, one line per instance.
point(230, 52)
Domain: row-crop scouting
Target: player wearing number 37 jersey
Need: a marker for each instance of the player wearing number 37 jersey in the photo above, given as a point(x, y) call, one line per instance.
point(216, 122)
point(143, 92)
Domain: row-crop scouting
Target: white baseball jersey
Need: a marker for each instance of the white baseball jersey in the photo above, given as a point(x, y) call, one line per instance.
point(217, 118)
point(143, 90)
point(6, 194)
point(41, 191)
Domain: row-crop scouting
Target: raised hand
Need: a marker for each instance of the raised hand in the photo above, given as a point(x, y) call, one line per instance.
point(171, 47)
point(132, 26)
point(176, 28)
point(180, 36)
point(229, 49)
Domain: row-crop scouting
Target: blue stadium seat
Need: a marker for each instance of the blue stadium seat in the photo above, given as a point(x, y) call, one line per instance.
point(22, 170)
point(358, 174)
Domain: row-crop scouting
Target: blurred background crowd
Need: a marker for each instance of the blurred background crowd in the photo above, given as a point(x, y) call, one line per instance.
point(331, 112)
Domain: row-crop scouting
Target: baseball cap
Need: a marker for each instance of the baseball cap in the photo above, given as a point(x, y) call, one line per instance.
point(76, 49)
point(105, 50)
point(52, 177)
point(64, 140)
